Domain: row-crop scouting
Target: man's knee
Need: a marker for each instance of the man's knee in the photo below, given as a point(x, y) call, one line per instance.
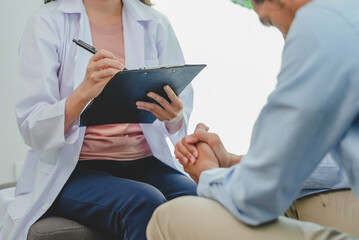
point(181, 217)
point(153, 231)
point(167, 215)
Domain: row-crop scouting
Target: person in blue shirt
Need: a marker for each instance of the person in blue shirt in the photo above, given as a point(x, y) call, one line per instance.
point(312, 113)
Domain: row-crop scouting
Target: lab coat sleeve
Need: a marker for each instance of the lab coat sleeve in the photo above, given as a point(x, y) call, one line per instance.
point(170, 53)
point(40, 109)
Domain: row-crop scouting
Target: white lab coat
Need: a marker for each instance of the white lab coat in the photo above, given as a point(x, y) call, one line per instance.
point(51, 67)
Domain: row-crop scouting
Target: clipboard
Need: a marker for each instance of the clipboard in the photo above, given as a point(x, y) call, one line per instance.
point(117, 101)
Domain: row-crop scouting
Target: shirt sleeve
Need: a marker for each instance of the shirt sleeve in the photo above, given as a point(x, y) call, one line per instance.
point(326, 176)
point(306, 116)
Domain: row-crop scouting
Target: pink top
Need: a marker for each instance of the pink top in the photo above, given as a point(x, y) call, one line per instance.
point(113, 141)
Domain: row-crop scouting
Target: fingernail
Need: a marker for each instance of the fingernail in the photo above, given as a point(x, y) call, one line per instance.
point(185, 160)
point(195, 154)
point(193, 159)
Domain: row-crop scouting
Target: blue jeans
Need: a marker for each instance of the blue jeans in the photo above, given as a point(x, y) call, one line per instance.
point(119, 197)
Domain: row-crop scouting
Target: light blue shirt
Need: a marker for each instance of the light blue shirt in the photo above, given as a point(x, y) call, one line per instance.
point(313, 112)
point(327, 176)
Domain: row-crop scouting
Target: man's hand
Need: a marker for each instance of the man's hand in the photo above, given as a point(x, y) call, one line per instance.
point(186, 149)
point(187, 152)
point(206, 160)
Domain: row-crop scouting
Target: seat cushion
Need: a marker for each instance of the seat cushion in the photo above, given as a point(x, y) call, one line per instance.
point(56, 228)
point(7, 185)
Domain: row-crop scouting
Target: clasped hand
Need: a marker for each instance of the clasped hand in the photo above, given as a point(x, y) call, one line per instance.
point(202, 151)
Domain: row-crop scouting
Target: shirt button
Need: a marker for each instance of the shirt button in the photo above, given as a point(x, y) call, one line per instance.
point(76, 59)
point(75, 158)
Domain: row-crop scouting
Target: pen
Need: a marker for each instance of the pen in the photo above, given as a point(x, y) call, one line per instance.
point(87, 46)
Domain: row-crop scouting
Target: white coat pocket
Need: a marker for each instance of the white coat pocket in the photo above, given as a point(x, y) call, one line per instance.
point(6, 197)
point(17, 208)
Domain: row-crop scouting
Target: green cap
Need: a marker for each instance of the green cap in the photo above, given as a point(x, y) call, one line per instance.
point(244, 3)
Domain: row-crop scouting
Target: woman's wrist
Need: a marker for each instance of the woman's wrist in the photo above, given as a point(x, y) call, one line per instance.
point(73, 106)
point(174, 124)
point(82, 95)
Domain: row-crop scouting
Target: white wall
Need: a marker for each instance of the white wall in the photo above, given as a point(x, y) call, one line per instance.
point(13, 16)
point(243, 59)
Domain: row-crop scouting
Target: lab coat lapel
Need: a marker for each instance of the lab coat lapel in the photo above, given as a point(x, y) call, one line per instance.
point(134, 40)
point(132, 16)
point(82, 56)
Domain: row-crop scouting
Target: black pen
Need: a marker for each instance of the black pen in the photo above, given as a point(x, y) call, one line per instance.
point(87, 46)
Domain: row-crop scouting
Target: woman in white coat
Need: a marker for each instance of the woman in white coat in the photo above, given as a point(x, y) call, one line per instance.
point(109, 177)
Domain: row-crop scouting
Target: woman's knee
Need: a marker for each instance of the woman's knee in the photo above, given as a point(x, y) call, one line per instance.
point(133, 217)
point(142, 203)
point(150, 198)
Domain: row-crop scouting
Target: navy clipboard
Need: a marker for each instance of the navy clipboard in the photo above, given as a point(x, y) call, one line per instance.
point(117, 102)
